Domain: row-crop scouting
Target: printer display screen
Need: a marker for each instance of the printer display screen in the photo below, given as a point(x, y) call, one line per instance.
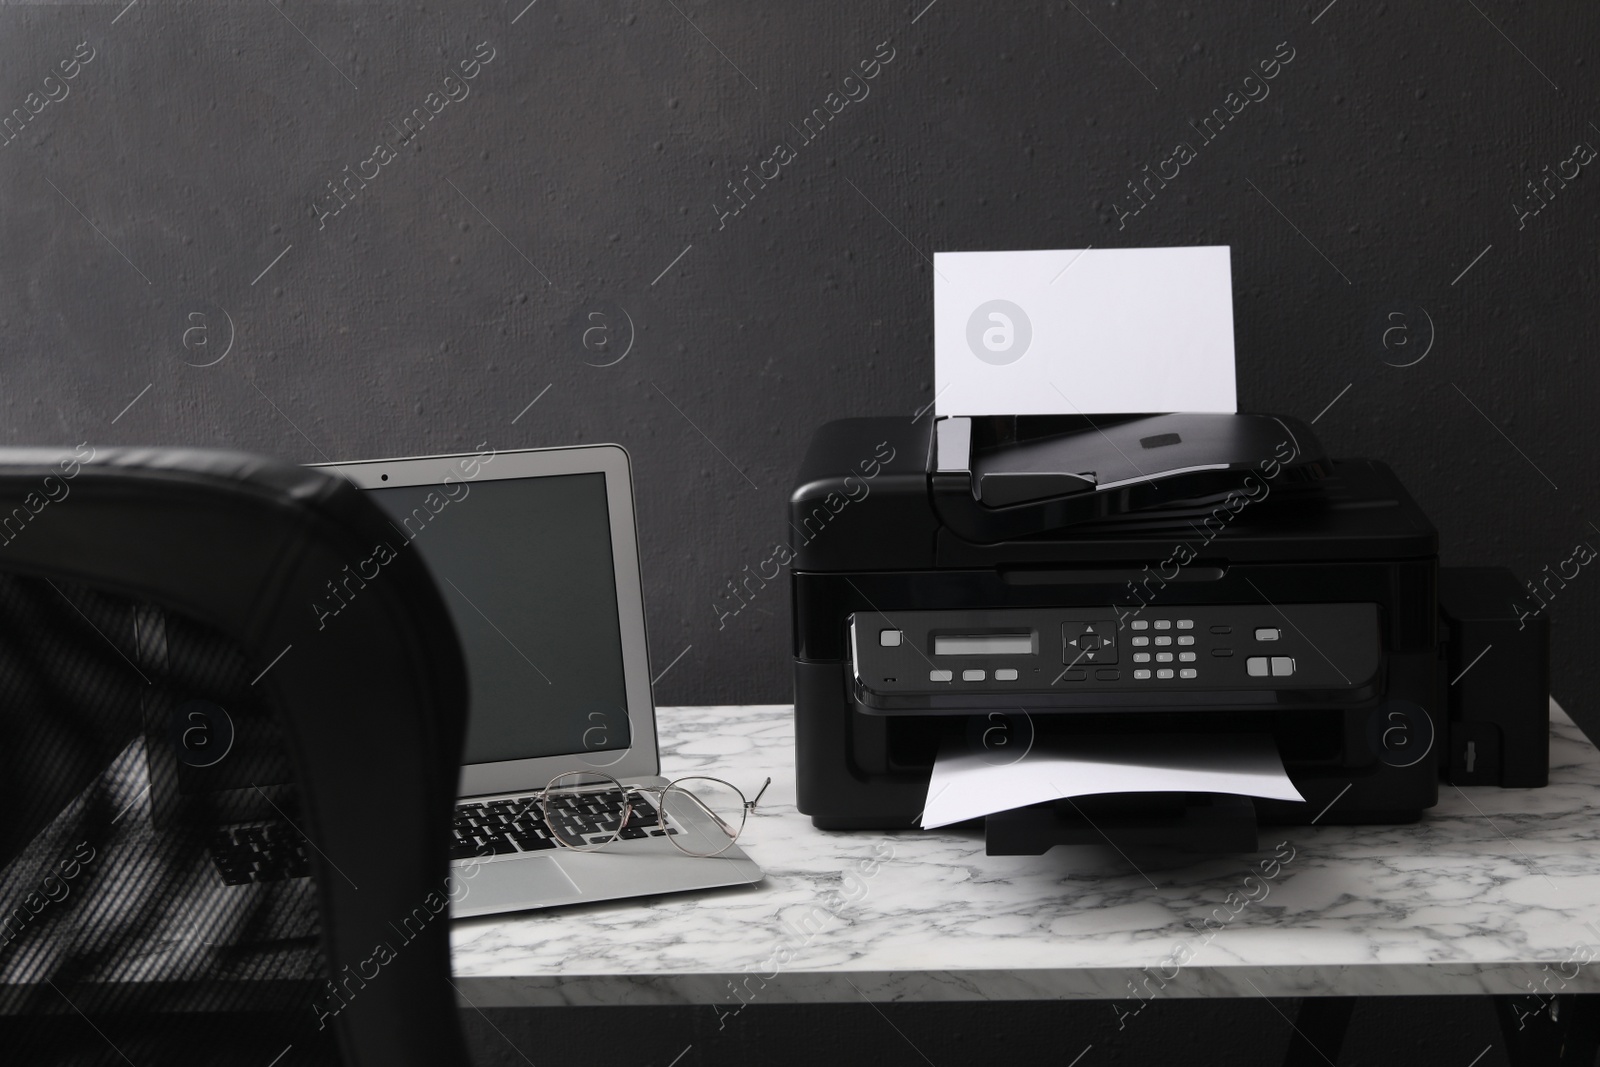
point(1020, 644)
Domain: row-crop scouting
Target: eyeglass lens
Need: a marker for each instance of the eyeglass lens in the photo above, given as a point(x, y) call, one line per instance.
point(584, 810)
point(708, 812)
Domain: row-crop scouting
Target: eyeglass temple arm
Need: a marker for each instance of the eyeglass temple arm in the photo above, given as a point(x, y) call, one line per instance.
point(751, 805)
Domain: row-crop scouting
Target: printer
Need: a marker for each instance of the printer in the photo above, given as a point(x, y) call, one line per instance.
point(1052, 577)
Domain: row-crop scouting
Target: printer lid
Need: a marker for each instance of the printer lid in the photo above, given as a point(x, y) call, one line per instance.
point(997, 478)
point(866, 499)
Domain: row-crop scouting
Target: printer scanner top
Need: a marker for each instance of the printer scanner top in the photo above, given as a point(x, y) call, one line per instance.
point(909, 494)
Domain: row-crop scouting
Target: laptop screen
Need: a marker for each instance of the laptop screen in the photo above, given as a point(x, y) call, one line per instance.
point(525, 566)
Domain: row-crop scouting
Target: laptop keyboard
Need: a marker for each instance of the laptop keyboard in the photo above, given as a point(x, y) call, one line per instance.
point(275, 852)
point(270, 853)
point(505, 826)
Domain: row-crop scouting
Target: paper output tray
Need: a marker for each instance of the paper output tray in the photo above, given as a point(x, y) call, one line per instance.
point(1186, 822)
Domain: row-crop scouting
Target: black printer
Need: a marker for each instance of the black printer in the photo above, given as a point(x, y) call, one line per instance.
point(1023, 579)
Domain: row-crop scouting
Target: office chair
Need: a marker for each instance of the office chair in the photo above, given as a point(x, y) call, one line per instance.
point(229, 746)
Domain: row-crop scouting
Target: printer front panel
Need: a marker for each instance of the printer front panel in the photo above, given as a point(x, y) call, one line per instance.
point(871, 711)
point(1205, 655)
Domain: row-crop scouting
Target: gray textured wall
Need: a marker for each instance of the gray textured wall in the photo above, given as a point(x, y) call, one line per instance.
point(184, 171)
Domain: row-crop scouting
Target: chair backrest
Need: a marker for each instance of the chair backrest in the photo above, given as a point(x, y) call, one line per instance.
point(170, 672)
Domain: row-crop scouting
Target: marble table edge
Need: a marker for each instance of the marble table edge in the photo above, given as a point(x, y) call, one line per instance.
point(728, 991)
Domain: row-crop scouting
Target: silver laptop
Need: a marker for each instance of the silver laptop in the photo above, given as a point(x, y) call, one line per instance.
point(536, 554)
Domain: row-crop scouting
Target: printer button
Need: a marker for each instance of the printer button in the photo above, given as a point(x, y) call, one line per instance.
point(889, 638)
point(1163, 657)
point(1185, 624)
point(1139, 624)
point(1163, 624)
point(940, 676)
point(1186, 639)
point(1222, 653)
point(1222, 629)
point(1094, 642)
point(1165, 672)
point(1282, 666)
point(1188, 672)
point(1267, 633)
point(1141, 657)
point(1076, 675)
point(1107, 674)
point(1257, 666)
point(1006, 674)
point(974, 675)
point(1139, 642)
point(1163, 640)
point(1185, 657)
point(1141, 674)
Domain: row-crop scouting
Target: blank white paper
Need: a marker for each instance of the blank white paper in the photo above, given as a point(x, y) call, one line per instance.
point(969, 783)
point(1070, 331)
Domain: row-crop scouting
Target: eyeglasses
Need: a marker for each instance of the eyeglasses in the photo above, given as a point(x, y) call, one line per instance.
point(586, 811)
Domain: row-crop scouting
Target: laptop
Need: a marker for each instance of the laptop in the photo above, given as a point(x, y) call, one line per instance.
point(536, 555)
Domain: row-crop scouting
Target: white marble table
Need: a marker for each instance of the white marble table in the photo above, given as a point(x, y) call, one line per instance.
point(1493, 891)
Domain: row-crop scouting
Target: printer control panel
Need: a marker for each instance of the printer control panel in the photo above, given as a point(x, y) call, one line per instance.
point(965, 658)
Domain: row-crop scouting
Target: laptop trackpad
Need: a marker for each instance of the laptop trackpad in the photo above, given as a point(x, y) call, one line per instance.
point(509, 885)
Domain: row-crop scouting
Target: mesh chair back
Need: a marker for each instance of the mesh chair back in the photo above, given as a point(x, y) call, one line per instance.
point(223, 813)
